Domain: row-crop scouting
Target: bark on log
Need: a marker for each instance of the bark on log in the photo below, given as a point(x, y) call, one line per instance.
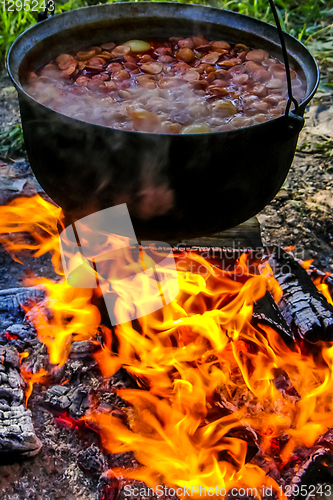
point(17, 434)
point(265, 311)
point(305, 310)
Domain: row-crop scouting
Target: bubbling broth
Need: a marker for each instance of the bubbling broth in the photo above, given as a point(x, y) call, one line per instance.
point(167, 86)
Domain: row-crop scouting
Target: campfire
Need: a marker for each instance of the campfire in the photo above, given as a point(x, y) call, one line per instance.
point(224, 391)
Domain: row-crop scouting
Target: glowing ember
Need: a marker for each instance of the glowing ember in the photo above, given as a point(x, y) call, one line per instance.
point(212, 375)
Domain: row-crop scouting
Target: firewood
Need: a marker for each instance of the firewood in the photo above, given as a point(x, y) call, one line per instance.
point(265, 311)
point(17, 434)
point(12, 298)
point(305, 310)
point(318, 468)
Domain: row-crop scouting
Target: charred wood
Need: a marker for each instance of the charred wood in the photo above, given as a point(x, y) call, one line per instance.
point(266, 312)
point(305, 310)
point(17, 434)
point(92, 462)
point(318, 468)
point(11, 300)
point(73, 401)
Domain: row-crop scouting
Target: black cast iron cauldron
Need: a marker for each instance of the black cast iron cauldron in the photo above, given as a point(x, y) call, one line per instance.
point(174, 185)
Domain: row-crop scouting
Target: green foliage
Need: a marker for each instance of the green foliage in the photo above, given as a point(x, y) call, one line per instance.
point(12, 143)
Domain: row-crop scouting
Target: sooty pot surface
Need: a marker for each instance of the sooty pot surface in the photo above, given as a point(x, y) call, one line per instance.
point(173, 185)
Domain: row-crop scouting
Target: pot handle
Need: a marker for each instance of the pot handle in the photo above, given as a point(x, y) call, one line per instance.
point(291, 98)
point(48, 12)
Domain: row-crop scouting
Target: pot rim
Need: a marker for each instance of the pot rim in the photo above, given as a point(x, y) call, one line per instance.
point(19, 87)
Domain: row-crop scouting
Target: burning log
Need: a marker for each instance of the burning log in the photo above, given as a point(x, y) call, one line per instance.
point(265, 311)
point(17, 434)
point(305, 310)
point(317, 469)
point(11, 300)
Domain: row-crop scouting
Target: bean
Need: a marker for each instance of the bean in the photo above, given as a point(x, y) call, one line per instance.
point(64, 61)
point(196, 128)
point(274, 84)
point(114, 67)
point(263, 107)
point(95, 63)
point(145, 59)
point(273, 99)
point(146, 81)
point(153, 68)
point(123, 85)
point(240, 121)
point(200, 84)
point(101, 77)
point(69, 70)
point(221, 83)
point(229, 62)
point(108, 46)
point(252, 66)
point(109, 86)
point(163, 51)
point(169, 83)
point(277, 70)
point(211, 58)
point(259, 90)
point(120, 76)
point(120, 50)
point(240, 79)
point(224, 74)
point(105, 55)
point(191, 75)
point(96, 49)
point(185, 54)
point(224, 108)
point(199, 40)
point(130, 66)
point(145, 121)
point(132, 59)
point(257, 55)
point(220, 45)
point(82, 81)
point(210, 77)
point(138, 45)
point(242, 47)
point(166, 59)
point(186, 43)
point(261, 75)
point(85, 55)
point(215, 90)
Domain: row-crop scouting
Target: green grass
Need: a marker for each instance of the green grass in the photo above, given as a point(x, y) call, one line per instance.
point(305, 19)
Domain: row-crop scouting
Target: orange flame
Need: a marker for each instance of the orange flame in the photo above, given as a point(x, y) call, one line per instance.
point(36, 217)
point(209, 369)
point(31, 378)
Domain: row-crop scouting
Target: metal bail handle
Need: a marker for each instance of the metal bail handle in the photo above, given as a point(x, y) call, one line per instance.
point(46, 14)
point(291, 99)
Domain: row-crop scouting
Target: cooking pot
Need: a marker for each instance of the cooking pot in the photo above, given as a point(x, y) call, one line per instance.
point(173, 185)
